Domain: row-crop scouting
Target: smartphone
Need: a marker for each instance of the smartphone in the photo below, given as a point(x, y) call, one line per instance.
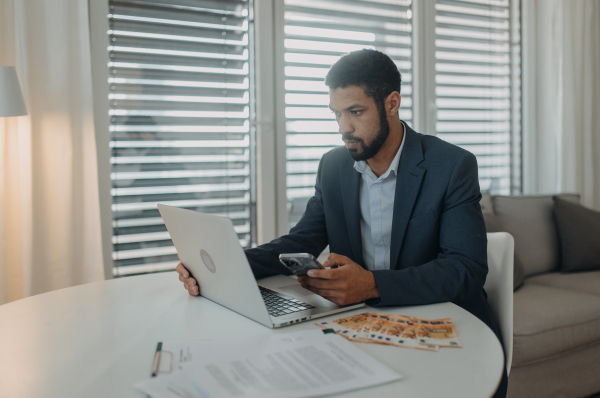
point(300, 263)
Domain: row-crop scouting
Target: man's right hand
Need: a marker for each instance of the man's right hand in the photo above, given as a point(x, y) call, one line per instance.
point(189, 283)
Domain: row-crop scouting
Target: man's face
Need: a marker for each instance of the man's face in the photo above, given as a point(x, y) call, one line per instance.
point(364, 128)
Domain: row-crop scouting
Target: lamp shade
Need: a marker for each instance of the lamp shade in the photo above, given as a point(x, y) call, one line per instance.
point(11, 99)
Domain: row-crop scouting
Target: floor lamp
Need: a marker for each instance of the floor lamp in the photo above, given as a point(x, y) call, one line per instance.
point(11, 99)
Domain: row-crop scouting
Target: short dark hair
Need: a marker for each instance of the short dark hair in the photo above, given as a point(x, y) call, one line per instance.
point(370, 69)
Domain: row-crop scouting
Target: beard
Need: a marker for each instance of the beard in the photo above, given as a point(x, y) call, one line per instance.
point(368, 151)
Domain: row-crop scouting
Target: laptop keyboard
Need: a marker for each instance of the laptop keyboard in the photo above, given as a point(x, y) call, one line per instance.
point(279, 306)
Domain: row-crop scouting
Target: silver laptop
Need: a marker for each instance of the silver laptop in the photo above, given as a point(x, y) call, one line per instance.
point(210, 249)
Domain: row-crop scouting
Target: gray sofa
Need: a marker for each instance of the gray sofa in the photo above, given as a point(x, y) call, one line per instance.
point(556, 315)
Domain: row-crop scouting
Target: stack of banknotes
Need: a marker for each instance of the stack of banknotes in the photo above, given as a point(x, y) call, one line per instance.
point(396, 330)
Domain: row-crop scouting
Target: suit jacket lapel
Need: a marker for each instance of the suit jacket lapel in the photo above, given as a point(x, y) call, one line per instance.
point(350, 191)
point(408, 184)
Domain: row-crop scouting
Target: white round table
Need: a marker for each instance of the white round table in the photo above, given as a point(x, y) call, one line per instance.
point(98, 339)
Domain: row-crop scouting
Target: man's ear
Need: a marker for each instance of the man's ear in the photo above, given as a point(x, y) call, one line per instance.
point(392, 103)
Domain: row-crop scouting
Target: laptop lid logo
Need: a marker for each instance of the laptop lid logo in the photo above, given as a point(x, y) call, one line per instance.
point(208, 262)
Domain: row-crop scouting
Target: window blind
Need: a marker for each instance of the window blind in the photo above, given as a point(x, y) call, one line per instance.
point(317, 34)
point(180, 106)
point(476, 76)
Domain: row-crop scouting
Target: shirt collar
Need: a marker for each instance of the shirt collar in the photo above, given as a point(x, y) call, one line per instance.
point(363, 167)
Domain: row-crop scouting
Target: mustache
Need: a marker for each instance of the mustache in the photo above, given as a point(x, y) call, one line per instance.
point(350, 137)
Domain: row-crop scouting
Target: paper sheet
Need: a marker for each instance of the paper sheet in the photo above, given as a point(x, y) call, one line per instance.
point(302, 364)
point(176, 354)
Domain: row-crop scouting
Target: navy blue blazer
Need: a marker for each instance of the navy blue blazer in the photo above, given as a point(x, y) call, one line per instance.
point(439, 244)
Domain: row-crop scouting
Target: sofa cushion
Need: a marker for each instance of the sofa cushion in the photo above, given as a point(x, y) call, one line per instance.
point(486, 203)
point(579, 233)
point(529, 220)
point(549, 322)
point(493, 225)
point(571, 375)
point(585, 282)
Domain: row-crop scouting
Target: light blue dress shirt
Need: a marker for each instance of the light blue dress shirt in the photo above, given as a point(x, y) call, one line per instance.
point(377, 210)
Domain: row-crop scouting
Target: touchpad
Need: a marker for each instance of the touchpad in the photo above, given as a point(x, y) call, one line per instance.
point(295, 290)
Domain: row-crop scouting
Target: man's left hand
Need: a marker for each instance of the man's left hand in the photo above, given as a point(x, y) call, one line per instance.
point(347, 284)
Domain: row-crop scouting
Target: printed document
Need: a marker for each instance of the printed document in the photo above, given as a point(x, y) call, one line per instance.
point(301, 364)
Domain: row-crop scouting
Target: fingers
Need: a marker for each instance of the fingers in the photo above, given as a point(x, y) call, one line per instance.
point(181, 270)
point(336, 259)
point(327, 284)
point(194, 290)
point(322, 273)
point(190, 284)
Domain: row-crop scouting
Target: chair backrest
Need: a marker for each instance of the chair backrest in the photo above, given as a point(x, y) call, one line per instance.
point(499, 287)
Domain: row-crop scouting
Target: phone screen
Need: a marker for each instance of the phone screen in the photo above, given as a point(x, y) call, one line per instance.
point(300, 265)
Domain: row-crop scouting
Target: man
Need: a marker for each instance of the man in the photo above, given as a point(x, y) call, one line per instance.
point(399, 210)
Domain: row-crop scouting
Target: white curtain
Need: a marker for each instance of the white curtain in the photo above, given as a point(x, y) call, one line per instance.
point(562, 145)
point(49, 207)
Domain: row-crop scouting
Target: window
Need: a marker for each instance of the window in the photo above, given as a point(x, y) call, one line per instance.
point(478, 87)
point(180, 105)
point(318, 33)
point(182, 111)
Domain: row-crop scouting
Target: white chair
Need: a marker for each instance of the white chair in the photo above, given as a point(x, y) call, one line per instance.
point(499, 287)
